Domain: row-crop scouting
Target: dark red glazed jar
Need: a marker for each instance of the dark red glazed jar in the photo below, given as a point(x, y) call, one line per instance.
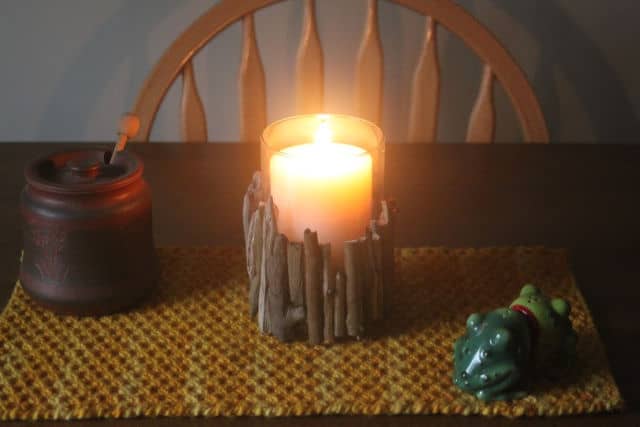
point(88, 242)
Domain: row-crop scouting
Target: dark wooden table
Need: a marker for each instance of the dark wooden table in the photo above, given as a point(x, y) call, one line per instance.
point(581, 197)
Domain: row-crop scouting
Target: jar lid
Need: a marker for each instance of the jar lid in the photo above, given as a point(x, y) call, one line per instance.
point(83, 171)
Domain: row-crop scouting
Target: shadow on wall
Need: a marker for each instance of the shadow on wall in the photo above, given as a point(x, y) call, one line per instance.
point(568, 48)
point(121, 38)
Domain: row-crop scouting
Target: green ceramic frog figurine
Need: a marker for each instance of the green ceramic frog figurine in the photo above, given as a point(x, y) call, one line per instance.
point(502, 350)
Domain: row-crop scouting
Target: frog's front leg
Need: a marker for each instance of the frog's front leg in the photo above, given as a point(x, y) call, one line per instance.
point(503, 383)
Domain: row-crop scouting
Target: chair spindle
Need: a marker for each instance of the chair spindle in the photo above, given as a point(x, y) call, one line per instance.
point(193, 120)
point(369, 69)
point(482, 123)
point(425, 91)
point(310, 65)
point(251, 82)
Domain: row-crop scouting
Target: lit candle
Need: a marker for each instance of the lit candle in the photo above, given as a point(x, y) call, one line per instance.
point(324, 186)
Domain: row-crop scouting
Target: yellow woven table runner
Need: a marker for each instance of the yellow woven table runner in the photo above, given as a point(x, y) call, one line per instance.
point(193, 350)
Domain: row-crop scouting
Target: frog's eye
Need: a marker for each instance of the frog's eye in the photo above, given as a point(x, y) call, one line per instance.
point(473, 321)
point(561, 306)
point(528, 290)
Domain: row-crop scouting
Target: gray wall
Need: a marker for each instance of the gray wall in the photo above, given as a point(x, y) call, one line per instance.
point(71, 67)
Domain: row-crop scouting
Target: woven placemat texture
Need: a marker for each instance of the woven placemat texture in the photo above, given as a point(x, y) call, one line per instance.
point(193, 350)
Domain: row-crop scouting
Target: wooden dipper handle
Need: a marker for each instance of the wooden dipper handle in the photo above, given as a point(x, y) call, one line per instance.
point(129, 127)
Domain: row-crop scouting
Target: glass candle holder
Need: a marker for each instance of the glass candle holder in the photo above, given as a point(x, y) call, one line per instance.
point(325, 173)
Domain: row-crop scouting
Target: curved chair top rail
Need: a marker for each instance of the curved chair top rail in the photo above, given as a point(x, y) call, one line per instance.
point(498, 62)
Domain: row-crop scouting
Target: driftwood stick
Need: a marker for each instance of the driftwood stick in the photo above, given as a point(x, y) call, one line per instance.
point(373, 270)
point(385, 228)
point(269, 231)
point(246, 215)
point(340, 311)
point(295, 263)
point(278, 290)
point(262, 290)
point(254, 257)
point(271, 220)
point(353, 271)
point(313, 286)
point(367, 276)
point(375, 262)
point(252, 199)
point(329, 289)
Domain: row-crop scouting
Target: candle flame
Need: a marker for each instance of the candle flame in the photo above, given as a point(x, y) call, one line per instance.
point(323, 134)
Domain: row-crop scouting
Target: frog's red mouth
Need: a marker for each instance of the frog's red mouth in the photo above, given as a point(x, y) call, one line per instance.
point(532, 322)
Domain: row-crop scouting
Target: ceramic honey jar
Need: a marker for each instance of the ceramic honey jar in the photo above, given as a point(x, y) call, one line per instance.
point(88, 242)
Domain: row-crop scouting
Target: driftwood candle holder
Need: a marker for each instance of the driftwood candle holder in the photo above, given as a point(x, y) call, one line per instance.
point(294, 287)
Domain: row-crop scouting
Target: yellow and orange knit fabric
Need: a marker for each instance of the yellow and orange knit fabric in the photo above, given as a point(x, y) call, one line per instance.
point(192, 349)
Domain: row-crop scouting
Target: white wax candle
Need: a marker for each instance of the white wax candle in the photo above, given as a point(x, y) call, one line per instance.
point(325, 187)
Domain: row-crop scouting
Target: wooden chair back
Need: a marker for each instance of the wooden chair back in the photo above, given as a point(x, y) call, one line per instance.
point(425, 91)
